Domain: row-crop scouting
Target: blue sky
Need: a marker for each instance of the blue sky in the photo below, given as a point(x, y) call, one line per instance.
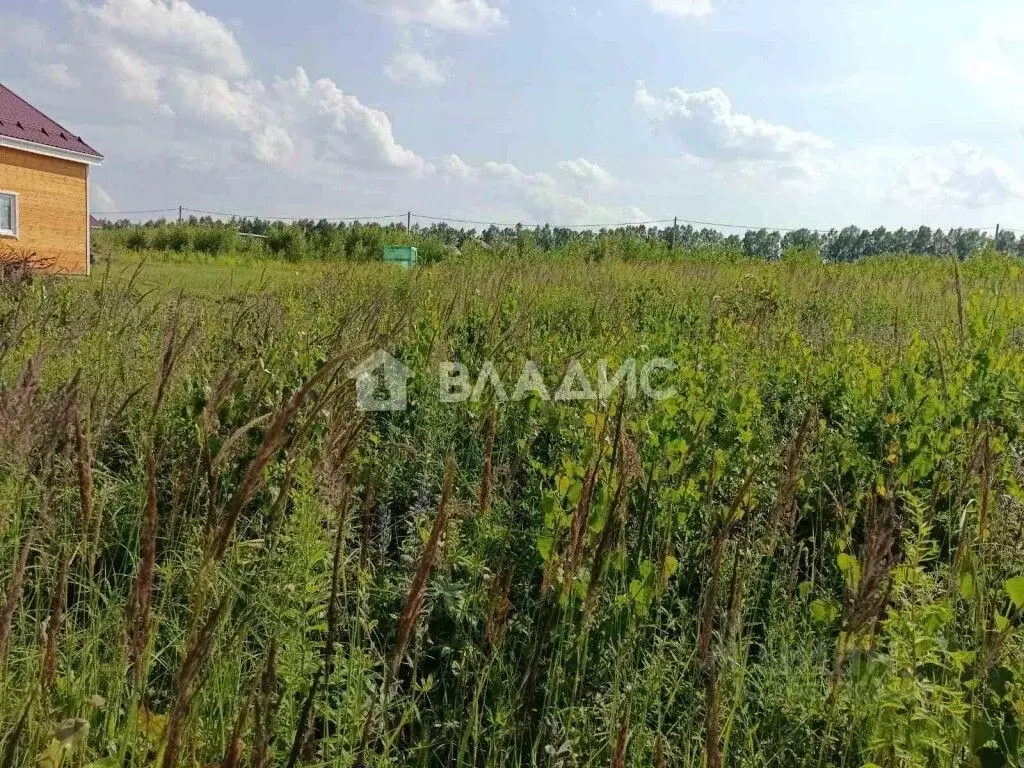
point(789, 113)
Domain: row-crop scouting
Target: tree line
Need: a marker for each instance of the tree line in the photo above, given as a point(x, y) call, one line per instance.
point(359, 241)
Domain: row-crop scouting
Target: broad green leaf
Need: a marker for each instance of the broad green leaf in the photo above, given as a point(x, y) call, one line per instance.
point(671, 566)
point(850, 569)
point(1015, 589)
point(824, 611)
point(544, 545)
point(966, 586)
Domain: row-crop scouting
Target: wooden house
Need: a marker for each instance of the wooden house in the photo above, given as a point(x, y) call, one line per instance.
point(44, 188)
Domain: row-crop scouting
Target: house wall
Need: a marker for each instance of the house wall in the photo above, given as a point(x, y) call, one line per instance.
point(53, 215)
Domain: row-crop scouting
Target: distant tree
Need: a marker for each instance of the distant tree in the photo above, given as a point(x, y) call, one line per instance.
point(922, 241)
point(900, 241)
point(844, 245)
point(1006, 241)
point(708, 238)
point(802, 240)
point(762, 244)
point(942, 244)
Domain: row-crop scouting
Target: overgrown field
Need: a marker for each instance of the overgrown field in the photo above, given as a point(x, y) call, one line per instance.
point(812, 554)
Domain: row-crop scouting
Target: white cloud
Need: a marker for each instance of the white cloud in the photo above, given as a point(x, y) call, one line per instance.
point(955, 175)
point(750, 153)
point(100, 199)
point(538, 195)
point(339, 129)
point(993, 61)
point(468, 17)
point(135, 77)
point(510, 174)
point(410, 67)
point(169, 29)
point(706, 122)
point(695, 8)
point(242, 106)
point(60, 75)
point(588, 174)
point(170, 59)
point(454, 167)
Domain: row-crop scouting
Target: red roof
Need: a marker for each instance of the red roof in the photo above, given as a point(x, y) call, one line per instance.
point(20, 120)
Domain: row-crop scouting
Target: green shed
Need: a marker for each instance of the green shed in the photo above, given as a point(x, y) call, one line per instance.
point(403, 255)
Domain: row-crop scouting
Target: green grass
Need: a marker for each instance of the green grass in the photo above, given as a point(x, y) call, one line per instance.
point(811, 555)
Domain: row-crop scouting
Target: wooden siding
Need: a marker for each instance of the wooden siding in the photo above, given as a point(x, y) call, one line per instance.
point(52, 208)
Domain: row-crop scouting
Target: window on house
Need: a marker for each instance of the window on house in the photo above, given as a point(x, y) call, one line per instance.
point(8, 213)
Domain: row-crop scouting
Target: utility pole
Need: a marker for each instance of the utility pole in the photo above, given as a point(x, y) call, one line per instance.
point(997, 237)
point(408, 222)
point(675, 233)
point(179, 214)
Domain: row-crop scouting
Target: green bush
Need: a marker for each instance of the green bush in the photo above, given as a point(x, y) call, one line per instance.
point(287, 242)
point(174, 237)
point(213, 240)
point(431, 251)
point(136, 239)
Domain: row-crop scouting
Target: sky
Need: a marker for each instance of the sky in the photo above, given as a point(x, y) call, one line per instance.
point(787, 113)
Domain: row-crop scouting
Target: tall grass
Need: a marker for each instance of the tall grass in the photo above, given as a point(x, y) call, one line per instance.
point(810, 554)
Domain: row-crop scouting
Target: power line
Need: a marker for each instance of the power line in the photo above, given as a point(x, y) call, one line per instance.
point(134, 213)
point(536, 226)
point(749, 228)
point(294, 218)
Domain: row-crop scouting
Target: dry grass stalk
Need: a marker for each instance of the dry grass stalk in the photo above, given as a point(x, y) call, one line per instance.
point(621, 741)
point(233, 755)
point(722, 528)
point(626, 463)
point(581, 515)
point(14, 589)
point(712, 725)
point(487, 475)
point(83, 464)
point(418, 588)
point(660, 757)
point(366, 521)
point(138, 618)
point(865, 602)
point(275, 438)
point(19, 412)
point(174, 344)
point(607, 542)
point(708, 663)
point(13, 596)
point(789, 481)
point(191, 667)
point(267, 702)
point(55, 622)
point(499, 606)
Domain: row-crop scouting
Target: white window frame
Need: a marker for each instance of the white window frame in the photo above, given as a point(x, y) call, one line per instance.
point(15, 217)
